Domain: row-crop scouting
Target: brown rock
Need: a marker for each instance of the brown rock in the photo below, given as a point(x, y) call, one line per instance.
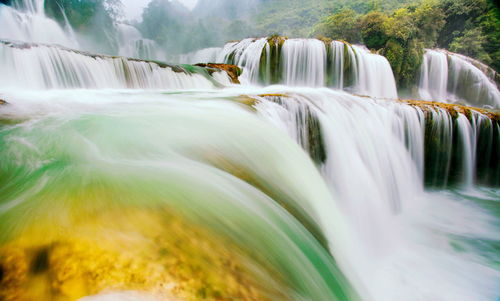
point(232, 70)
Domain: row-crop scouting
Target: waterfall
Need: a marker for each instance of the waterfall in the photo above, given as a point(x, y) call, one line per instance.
point(32, 6)
point(29, 23)
point(134, 148)
point(338, 64)
point(368, 207)
point(434, 76)
point(450, 77)
point(442, 143)
point(304, 62)
point(374, 156)
point(132, 44)
point(36, 66)
point(246, 54)
point(312, 63)
point(374, 75)
point(129, 179)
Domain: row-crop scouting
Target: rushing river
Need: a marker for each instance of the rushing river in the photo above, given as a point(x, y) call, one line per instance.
point(123, 179)
point(239, 173)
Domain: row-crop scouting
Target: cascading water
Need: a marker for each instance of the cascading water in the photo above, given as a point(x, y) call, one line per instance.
point(434, 76)
point(246, 54)
point(382, 215)
point(155, 192)
point(374, 75)
point(46, 67)
point(28, 23)
point(132, 44)
point(305, 62)
point(337, 66)
point(449, 77)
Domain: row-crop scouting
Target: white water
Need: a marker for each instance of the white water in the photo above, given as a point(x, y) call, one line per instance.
point(389, 237)
point(392, 239)
point(132, 44)
point(374, 75)
point(45, 67)
point(374, 168)
point(338, 64)
point(449, 77)
point(434, 76)
point(29, 23)
point(304, 62)
point(246, 54)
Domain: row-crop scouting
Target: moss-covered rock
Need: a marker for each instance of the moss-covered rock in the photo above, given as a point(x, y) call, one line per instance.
point(453, 109)
point(444, 152)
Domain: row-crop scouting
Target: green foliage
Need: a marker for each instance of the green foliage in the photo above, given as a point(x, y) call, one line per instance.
point(470, 27)
point(292, 18)
point(344, 25)
point(459, 13)
point(402, 25)
point(373, 30)
point(298, 18)
point(490, 25)
point(470, 43)
point(430, 19)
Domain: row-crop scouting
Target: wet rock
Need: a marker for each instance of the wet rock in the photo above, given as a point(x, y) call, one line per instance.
point(232, 70)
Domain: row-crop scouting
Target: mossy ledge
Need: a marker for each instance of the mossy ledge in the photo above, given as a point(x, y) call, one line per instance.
point(276, 40)
point(437, 151)
point(452, 109)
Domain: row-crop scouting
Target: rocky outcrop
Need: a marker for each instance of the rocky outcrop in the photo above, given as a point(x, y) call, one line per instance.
point(232, 71)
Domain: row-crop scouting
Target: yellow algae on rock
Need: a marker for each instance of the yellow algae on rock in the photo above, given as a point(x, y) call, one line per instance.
point(134, 250)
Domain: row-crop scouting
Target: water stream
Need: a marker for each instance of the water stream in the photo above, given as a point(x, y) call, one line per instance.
point(124, 179)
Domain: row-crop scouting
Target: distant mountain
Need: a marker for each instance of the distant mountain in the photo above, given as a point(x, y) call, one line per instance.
point(226, 9)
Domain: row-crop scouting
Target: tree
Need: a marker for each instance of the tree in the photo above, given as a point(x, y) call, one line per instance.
point(490, 25)
point(458, 13)
point(404, 50)
point(402, 25)
point(430, 19)
point(470, 43)
point(373, 30)
point(344, 25)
